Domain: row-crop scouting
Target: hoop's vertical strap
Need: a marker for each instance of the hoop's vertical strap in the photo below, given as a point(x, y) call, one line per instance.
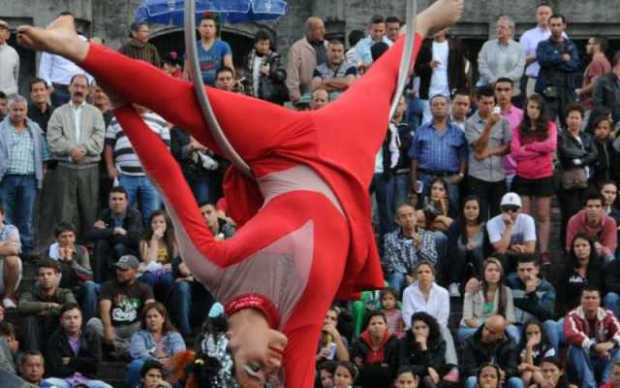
point(207, 110)
point(405, 63)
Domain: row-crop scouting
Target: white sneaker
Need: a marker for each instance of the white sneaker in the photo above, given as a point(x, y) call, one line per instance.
point(8, 303)
point(454, 290)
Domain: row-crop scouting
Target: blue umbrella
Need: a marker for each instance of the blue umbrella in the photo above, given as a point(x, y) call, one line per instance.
point(231, 11)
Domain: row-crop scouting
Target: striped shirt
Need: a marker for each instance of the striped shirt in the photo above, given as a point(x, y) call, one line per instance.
point(21, 152)
point(125, 158)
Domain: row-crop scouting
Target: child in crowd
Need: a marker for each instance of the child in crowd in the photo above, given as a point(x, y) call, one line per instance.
point(345, 374)
point(405, 378)
point(489, 376)
point(389, 300)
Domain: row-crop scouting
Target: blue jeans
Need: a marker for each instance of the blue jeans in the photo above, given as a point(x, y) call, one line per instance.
point(453, 190)
point(397, 281)
point(18, 194)
point(555, 333)
point(612, 302)
point(200, 188)
point(141, 189)
point(441, 245)
point(415, 110)
point(588, 366)
point(133, 372)
point(513, 382)
point(88, 294)
point(402, 183)
point(160, 281)
point(189, 298)
point(384, 192)
point(62, 383)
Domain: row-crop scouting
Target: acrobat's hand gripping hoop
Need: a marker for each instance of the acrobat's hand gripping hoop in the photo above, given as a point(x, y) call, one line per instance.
point(207, 110)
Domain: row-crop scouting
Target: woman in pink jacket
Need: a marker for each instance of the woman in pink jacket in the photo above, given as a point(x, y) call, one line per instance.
point(533, 148)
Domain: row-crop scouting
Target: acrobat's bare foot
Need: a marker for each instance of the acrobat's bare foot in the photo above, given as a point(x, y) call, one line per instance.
point(59, 38)
point(441, 14)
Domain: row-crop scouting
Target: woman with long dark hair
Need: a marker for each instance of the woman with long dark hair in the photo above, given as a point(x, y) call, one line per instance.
point(533, 148)
point(436, 215)
point(157, 249)
point(534, 347)
point(584, 268)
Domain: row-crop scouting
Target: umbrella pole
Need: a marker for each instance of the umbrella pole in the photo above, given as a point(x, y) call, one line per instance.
point(405, 63)
point(203, 99)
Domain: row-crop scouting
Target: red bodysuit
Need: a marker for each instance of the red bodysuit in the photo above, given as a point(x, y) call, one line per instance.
point(306, 236)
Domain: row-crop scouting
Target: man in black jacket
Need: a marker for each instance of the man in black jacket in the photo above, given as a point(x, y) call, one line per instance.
point(607, 89)
point(116, 233)
point(71, 357)
point(491, 344)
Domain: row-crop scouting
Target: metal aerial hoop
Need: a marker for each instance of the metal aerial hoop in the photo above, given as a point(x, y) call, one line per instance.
point(207, 110)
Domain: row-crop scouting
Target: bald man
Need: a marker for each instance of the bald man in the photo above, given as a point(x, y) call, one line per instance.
point(304, 55)
point(490, 343)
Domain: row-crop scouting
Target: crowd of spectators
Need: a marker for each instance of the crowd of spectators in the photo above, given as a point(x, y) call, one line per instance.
point(463, 185)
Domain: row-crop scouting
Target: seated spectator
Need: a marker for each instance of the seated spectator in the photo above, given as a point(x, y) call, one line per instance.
point(553, 374)
point(219, 226)
point(533, 148)
point(485, 299)
point(405, 247)
point(41, 306)
point(318, 99)
point(332, 345)
point(214, 343)
point(4, 105)
point(120, 306)
point(423, 349)
point(10, 263)
point(264, 74)
point(375, 352)
point(534, 297)
point(406, 378)
point(593, 222)
point(425, 295)
point(577, 154)
point(489, 376)
point(152, 375)
point(593, 335)
point(158, 249)
point(437, 215)
point(468, 246)
point(32, 367)
point(9, 346)
point(116, 233)
point(173, 65)
point(534, 347)
point(605, 167)
point(491, 344)
point(157, 340)
point(512, 232)
point(72, 357)
point(335, 75)
point(345, 374)
point(75, 268)
point(326, 371)
point(614, 378)
point(612, 286)
point(395, 324)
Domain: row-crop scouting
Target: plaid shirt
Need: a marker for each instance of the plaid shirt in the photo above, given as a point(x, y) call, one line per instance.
point(21, 153)
point(401, 255)
point(439, 152)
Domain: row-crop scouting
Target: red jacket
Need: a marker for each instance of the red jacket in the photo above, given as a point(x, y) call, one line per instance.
point(577, 329)
point(604, 233)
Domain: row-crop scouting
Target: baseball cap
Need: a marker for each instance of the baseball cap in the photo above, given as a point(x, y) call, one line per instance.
point(127, 262)
point(511, 199)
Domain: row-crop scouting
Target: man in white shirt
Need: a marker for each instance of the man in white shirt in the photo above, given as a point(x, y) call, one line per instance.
point(9, 62)
point(57, 72)
point(530, 39)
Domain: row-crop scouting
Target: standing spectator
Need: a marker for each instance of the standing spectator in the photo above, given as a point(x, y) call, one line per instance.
point(593, 334)
point(213, 53)
point(172, 65)
point(10, 263)
point(75, 135)
point(39, 110)
point(491, 344)
point(439, 149)
point(58, 73)
point(605, 167)
point(120, 306)
point(461, 104)
point(504, 88)
point(41, 306)
point(375, 352)
point(399, 125)
point(225, 79)
point(303, 57)
point(156, 340)
point(607, 89)
point(9, 62)
point(351, 56)
point(594, 222)
point(533, 148)
point(336, 75)
point(577, 154)
point(318, 99)
point(73, 358)
point(559, 64)
point(534, 297)
point(116, 233)
point(197, 163)
point(501, 57)
point(489, 137)
point(264, 74)
point(75, 269)
point(123, 163)
point(138, 46)
point(22, 153)
point(376, 33)
point(598, 66)
point(392, 27)
point(529, 41)
point(441, 68)
point(32, 367)
point(101, 101)
point(405, 247)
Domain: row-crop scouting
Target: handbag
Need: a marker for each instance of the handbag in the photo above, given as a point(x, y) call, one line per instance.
point(575, 178)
